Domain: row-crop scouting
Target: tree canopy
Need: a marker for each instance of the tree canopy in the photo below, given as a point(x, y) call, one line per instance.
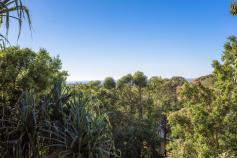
point(25, 70)
point(206, 125)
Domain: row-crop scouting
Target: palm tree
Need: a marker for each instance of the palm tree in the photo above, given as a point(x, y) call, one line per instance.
point(12, 9)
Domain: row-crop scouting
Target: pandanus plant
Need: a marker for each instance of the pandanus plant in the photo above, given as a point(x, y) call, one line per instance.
point(12, 9)
point(19, 129)
point(61, 124)
point(82, 134)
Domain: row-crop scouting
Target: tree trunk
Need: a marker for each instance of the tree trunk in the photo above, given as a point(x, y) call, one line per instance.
point(140, 104)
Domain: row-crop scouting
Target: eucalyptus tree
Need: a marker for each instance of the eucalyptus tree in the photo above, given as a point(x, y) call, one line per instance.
point(109, 83)
point(140, 80)
point(164, 100)
point(125, 80)
point(126, 93)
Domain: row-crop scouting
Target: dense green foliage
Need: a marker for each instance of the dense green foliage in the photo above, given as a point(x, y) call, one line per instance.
point(39, 117)
point(60, 124)
point(24, 70)
point(133, 117)
point(109, 83)
point(206, 124)
point(137, 110)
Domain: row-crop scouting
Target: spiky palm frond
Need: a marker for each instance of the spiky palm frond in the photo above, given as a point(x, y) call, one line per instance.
point(61, 124)
point(19, 130)
point(12, 9)
point(81, 134)
point(55, 103)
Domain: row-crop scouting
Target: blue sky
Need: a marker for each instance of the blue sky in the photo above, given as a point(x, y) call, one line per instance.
point(100, 38)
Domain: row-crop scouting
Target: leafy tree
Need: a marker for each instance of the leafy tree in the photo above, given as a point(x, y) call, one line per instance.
point(225, 92)
point(109, 83)
point(206, 81)
point(206, 125)
point(165, 100)
point(140, 80)
point(23, 70)
point(190, 125)
point(125, 80)
point(126, 93)
point(94, 84)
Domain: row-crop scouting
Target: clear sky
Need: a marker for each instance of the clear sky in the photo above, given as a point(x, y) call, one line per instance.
point(100, 38)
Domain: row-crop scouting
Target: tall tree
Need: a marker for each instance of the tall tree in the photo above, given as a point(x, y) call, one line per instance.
point(24, 70)
point(109, 83)
point(140, 80)
point(206, 125)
